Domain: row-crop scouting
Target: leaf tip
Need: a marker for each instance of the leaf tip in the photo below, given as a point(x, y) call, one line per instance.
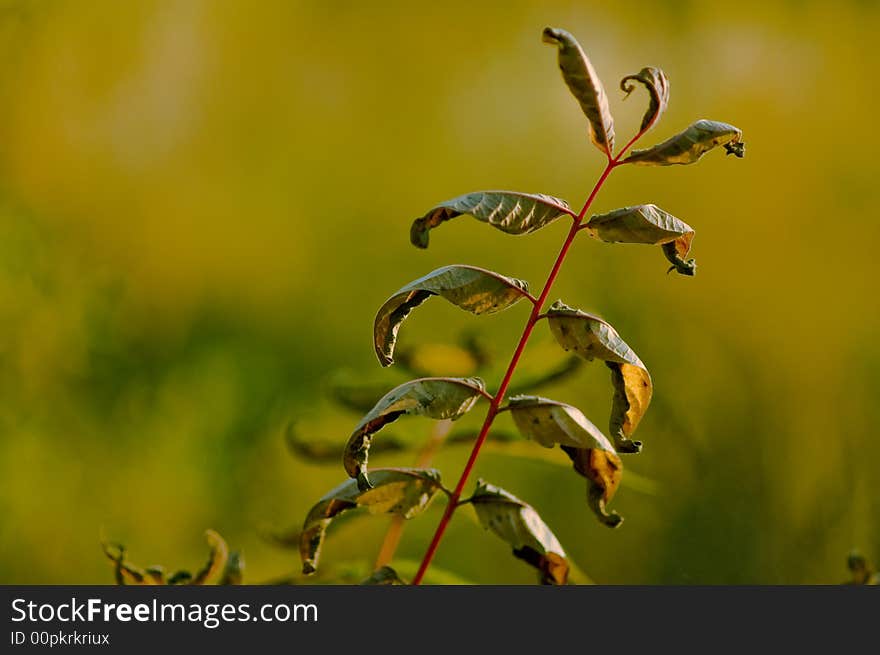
point(308, 568)
point(363, 482)
point(736, 148)
point(418, 235)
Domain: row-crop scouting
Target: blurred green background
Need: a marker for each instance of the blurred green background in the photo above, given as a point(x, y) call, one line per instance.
point(202, 204)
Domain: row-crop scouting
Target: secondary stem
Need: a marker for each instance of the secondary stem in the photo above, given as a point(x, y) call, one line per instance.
point(498, 398)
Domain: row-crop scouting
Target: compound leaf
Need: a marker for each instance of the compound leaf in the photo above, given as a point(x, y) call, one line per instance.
point(438, 398)
point(657, 84)
point(688, 146)
point(519, 525)
point(403, 491)
point(509, 211)
point(585, 86)
point(550, 422)
point(647, 224)
point(473, 289)
point(591, 337)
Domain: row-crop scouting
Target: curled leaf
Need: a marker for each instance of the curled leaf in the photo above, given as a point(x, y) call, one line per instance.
point(216, 560)
point(603, 471)
point(519, 525)
point(473, 289)
point(384, 576)
point(688, 146)
point(585, 86)
point(549, 422)
point(590, 337)
point(403, 491)
point(509, 211)
point(650, 225)
point(657, 84)
point(438, 398)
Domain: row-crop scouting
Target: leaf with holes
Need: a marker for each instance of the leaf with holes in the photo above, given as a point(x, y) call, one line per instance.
point(403, 491)
point(647, 224)
point(657, 84)
point(438, 398)
point(509, 211)
point(519, 525)
point(585, 86)
point(687, 147)
point(590, 337)
point(473, 289)
point(550, 422)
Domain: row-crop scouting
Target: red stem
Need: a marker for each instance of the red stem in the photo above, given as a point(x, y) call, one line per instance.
point(496, 401)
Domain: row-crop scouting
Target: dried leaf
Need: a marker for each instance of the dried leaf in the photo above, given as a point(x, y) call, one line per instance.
point(657, 84)
point(438, 398)
point(519, 525)
point(593, 338)
point(585, 86)
point(650, 225)
point(473, 289)
point(403, 491)
point(509, 211)
point(216, 560)
point(603, 471)
point(688, 146)
point(124, 572)
point(549, 422)
point(384, 576)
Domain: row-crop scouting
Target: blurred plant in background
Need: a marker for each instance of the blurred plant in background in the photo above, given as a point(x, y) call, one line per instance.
point(189, 209)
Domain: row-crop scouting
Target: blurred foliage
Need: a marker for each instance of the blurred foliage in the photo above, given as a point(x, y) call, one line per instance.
point(203, 204)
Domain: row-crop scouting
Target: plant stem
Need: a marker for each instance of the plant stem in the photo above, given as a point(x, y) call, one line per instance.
point(511, 368)
point(423, 460)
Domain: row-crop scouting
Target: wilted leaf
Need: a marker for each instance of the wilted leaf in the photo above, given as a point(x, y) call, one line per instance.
point(473, 289)
point(384, 576)
point(655, 81)
point(650, 225)
point(403, 491)
point(216, 560)
point(438, 398)
point(519, 525)
point(129, 574)
point(509, 211)
point(593, 338)
point(603, 471)
point(585, 86)
point(325, 450)
point(549, 422)
point(688, 146)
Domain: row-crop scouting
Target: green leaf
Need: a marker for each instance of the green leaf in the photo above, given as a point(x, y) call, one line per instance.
point(585, 86)
point(384, 576)
point(403, 491)
point(657, 84)
point(473, 289)
point(550, 422)
point(519, 525)
point(438, 398)
point(650, 225)
point(509, 211)
point(590, 337)
point(687, 147)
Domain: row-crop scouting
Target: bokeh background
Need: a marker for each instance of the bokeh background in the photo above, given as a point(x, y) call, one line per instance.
point(202, 204)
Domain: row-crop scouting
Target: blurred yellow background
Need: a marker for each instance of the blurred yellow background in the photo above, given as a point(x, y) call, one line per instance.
point(202, 205)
